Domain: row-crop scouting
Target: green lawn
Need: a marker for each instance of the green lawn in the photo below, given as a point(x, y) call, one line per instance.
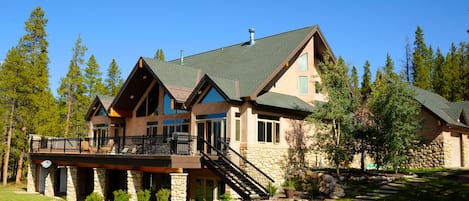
point(442, 185)
point(451, 186)
point(18, 193)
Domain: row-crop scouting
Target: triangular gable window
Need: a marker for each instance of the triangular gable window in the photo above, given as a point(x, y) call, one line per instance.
point(101, 112)
point(462, 119)
point(212, 96)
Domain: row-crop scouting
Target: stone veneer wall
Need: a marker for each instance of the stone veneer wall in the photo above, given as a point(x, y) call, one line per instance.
point(430, 155)
point(49, 182)
point(178, 186)
point(72, 183)
point(99, 175)
point(134, 183)
point(31, 186)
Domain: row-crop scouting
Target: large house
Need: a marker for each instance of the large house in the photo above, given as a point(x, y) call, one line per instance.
point(218, 121)
point(200, 125)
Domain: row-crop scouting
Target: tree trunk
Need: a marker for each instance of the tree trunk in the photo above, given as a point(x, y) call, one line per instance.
point(69, 114)
point(362, 160)
point(6, 157)
point(19, 171)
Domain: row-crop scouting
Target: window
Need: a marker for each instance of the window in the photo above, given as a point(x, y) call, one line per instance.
point(152, 128)
point(238, 127)
point(170, 106)
point(101, 112)
point(303, 62)
point(212, 96)
point(150, 105)
point(303, 85)
point(268, 129)
point(174, 125)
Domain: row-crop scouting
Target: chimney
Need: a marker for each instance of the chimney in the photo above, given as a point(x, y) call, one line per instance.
point(251, 36)
point(181, 57)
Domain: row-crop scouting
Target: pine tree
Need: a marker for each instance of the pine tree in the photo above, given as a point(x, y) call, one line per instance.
point(11, 71)
point(366, 82)
point(72, 92)
point(421, 69)
point(93, 81)
point(159, 55)
point(28, 62)
point(114, 80)
point(354, 83)
point(441, 76)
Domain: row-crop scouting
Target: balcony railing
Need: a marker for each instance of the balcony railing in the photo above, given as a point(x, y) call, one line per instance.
point(178, 144)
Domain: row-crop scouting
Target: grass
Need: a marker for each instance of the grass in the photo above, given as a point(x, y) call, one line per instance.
point(442, 185)
point(13, 192)
point(453, 186)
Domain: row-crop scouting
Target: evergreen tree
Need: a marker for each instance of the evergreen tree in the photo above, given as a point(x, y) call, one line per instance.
point(159, 55)
point(333, 126)
point(11, 86)
point(394, 113)
point(366, 82)
point(72, 92)
point(421, 69)
point(441, 76)
point(354, 83)
point(93, 81)
point(114, 80)
point(389, 67)
point(28, 61)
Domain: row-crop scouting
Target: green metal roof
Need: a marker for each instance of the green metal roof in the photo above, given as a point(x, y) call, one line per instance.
point(284, 101)
point(251, 65)
point(445, 110)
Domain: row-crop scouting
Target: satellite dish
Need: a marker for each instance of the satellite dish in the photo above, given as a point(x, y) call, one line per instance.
point(46, 163)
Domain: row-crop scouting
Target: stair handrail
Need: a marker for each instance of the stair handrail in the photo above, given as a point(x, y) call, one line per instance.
point(220, 153)
point(246, 160)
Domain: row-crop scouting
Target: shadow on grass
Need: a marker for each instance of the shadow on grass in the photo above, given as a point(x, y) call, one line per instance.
point(441, 186)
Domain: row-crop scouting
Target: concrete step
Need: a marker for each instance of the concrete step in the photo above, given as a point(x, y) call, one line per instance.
point(367, 197)
point(395, 184)
point(388, 187)
point(380, 191)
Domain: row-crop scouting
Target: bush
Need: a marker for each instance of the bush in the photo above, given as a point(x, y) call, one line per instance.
point(272, 189)
point(226, 197)
point(94, 196)
point(143, 195)
point(163, 194)
point(120, 195)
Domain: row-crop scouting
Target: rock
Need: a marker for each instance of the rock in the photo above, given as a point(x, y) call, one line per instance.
point(337, 192)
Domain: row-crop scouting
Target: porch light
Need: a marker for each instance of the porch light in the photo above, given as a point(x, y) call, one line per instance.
point(132, 97)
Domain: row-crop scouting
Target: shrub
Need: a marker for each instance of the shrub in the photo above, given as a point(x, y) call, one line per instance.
point(143, 195)
point(163, 194)
point(272, 189)
point(226, 197)
point(120, 195)
point(94, 196)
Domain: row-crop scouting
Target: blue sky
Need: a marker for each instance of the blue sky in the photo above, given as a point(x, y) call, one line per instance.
point(125, 30)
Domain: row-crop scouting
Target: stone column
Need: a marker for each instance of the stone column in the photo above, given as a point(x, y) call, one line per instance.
point(31, 188)
point(134, 183)
point(49, 182)
point(178, 186)
point(72, 183)
point(99, 176)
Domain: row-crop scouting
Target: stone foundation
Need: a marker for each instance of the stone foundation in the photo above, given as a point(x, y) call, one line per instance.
point(31, 186)
point(72, 183)
point(430, 155)
point(49, 182)
point(99, 175)
point(134, 183)
point(178, 186)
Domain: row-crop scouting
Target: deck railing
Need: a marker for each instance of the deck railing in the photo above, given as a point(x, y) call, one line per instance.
point(180, 144)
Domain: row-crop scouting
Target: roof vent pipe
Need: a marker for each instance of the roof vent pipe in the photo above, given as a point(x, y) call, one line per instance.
point(181, 57)
point(251, 36)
